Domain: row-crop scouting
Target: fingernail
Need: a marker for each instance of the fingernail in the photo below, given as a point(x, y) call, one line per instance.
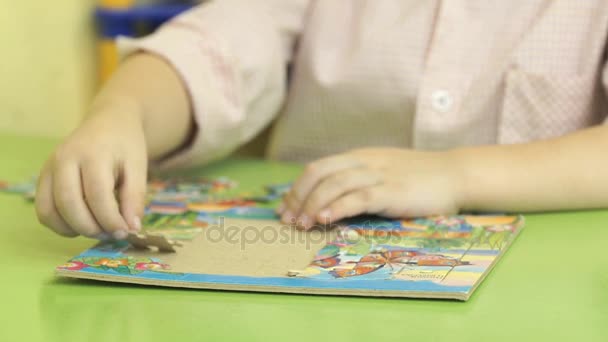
point(288, 217)
point(305, 221)
point(120, 234)
point(281, 208)
point(136, 223)
point(325, 216)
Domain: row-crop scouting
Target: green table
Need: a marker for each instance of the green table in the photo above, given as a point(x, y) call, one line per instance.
point(552, 285)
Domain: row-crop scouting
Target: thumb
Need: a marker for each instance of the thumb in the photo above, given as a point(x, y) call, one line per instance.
point(132, 194)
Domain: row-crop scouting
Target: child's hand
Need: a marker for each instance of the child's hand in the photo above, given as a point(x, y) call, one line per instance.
point(385, 181)
point(76, 189)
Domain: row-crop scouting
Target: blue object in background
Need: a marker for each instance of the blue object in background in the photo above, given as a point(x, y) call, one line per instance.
point(135, 21)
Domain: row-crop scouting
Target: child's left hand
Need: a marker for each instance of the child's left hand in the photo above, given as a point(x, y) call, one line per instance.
point(385, 181)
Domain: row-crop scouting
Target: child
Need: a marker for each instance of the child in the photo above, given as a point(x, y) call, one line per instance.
point(414, 107)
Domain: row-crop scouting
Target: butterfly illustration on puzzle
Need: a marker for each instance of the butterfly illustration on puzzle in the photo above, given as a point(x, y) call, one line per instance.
point(436, 260)
point(399, 258)
point(375, 261)
point(327, 257)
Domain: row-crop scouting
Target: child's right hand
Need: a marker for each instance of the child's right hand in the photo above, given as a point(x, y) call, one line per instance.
point(109, 152)
point(76, 189)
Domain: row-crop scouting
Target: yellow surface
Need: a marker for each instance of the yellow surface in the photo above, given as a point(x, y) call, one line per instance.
point(116, 3)
point(108, 58)
point(47, 68)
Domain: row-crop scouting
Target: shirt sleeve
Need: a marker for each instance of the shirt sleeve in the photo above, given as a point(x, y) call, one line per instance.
point(232, 56)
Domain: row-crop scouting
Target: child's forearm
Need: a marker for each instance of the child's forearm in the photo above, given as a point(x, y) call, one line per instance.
point(569, 172)
point(146, 86)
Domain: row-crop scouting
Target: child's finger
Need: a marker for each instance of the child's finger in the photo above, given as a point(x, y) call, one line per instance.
point(333, 187)
point(288, 215)
point(69, 199)
point(365, 201)
point(316, 171)
point(45, 206)
point(98, 185)
point(132, 193)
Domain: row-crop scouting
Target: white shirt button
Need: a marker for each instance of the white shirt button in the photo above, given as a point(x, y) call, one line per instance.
point(442, 100)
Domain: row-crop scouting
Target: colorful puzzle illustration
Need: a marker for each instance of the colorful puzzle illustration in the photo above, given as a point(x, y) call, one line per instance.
point(26, 189)
point(180, 208)
point(446, 251)
point(434, 257)
point(208, 234)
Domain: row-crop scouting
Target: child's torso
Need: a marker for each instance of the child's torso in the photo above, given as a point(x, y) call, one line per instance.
point(442, 74)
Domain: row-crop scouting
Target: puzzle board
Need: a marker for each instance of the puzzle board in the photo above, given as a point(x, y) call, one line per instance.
point(234, 241)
